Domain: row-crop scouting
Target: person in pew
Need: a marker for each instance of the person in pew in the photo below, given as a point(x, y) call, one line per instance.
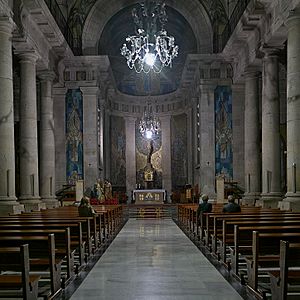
point(231, 206)
point(85, 209)
point(204, 206)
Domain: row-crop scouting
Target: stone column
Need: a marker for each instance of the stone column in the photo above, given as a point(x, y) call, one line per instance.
point(292, 200)
point(130, 156)
point(166, 154)
point(47, 143)
point(271, 186)
point(90, 142)
point(190, 146)
point(238, 141)
point(101, 138)
point(196, 152)
point(207, 141)
point(8, 203)
point(107, 143)
point(59, 114)
point(252, 138)
point(29, 175)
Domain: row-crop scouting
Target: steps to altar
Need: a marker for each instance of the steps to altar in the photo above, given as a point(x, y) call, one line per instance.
point(152, 211)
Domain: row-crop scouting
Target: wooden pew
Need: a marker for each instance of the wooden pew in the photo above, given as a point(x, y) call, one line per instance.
point(217, 230)
point(87, 224)
point(62, 243)
point(284, 280)
point(42, 252)
point(265, 254)
point(242, 241)
point(23, 286)
point(77, 242)
point(214, 221)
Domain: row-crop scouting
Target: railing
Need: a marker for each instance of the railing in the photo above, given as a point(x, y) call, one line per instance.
point(63, 26)
point(221, 40)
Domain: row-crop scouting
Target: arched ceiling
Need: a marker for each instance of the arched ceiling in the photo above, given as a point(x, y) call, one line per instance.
point(192, 11)
point(113, 37)
point(102, 26)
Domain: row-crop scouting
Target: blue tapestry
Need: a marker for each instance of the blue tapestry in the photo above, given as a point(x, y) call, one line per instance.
point(223, 134)
point(179, 151)
point(74, 130)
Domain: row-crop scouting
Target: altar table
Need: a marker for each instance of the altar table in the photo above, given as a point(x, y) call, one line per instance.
point(149, 196)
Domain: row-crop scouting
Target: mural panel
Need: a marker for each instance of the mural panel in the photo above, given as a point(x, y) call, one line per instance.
point(144, 148)
point(118, 151)
point(74, 130)
point(179, 151)
point(223, 126)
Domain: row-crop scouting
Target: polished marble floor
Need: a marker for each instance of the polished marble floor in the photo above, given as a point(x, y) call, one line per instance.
point(154, 260)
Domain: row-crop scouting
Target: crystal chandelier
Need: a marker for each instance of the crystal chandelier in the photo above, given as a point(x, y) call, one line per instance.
point(151, 48)
point(149, 125)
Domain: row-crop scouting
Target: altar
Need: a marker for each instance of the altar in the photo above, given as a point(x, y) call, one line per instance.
point(149, 196)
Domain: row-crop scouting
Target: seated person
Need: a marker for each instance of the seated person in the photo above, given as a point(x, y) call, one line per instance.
point(231, 206)
point(204, 206)
point(85, 209)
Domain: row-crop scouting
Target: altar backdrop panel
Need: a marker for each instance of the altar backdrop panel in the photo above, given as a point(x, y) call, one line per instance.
point(142, 147)
point(74, 130)
point(223, 134)
point(179, 151)
point(118, 151)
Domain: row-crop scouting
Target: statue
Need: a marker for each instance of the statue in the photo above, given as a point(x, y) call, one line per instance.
point(149, 170)
point(107, 190)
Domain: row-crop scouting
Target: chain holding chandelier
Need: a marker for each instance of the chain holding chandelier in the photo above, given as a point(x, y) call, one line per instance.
point(151, 48)
point(149, 125)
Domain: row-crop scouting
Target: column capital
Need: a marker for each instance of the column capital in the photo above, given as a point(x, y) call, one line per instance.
point(46, 75)
point(270, 50)
point(165, 118)
point(129, 120)
point(27, 56)
point(90, 90)
point(293, 19)
point(6, 25)
point(252, 72)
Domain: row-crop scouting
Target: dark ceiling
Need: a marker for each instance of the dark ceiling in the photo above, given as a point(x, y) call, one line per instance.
point(113, 36)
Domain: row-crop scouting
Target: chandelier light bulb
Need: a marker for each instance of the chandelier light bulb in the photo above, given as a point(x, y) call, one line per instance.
point(150, 59)
point(149, 134)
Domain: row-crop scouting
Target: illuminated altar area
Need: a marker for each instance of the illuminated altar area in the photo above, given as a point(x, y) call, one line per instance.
point(154, 196)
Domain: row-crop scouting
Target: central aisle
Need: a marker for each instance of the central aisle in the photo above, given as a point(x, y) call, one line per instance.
point(154, 260)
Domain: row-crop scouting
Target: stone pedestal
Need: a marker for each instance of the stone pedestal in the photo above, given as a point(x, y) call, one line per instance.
point(47, 143)
point(8, 203)
point(79, 190)
point(271, 188)
point(220, 187)
point(252, 139)
point(292, 200)
point(29, 176)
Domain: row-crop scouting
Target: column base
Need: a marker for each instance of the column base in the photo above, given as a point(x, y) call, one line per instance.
point(249, 199)
point(291, 202)
point(11, 209)
point(51, 202)
point(269, 200)
point(33, 203)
